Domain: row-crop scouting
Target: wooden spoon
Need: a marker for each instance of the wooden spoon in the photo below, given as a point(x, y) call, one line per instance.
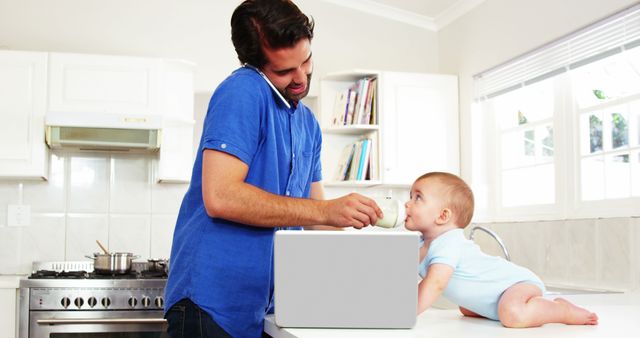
point(102, 247)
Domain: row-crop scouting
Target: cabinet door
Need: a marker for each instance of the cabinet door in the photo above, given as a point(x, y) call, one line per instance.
point(103, 84)
point(23, 153)
point(176, 152)
point(419, 125)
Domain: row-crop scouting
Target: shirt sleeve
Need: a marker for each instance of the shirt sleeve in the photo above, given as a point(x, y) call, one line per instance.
point(233, 121)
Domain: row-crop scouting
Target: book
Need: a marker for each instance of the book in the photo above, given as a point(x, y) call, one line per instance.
point(344, 162)
point(363, 164)
point(355, 161)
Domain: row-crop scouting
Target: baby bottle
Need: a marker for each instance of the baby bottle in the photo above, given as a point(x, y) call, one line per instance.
point(393, 211)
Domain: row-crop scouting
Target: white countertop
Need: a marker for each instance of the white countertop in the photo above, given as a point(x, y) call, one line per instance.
point(10, 281)
point(619, 316)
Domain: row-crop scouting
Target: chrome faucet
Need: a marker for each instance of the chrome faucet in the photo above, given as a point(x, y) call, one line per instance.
point(495, 236)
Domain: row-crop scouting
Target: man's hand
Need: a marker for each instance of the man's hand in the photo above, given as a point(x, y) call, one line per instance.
point(353, 210)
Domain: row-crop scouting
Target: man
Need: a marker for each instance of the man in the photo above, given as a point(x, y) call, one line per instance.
point(257, 170)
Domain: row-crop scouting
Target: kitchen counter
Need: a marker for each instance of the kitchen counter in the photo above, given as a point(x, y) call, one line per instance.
point(10, 281)
point(618, 317)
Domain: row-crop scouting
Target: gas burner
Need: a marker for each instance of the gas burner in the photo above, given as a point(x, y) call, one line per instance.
point(153, 274)
point(50, 274)
point(129, 275)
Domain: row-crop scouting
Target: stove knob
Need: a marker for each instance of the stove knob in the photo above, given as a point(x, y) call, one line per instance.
point(65, 302)
point(145, 301)
point(92, 301)
point(133, 302)
point(105, 302)
point(159, 302)
point(78, 302)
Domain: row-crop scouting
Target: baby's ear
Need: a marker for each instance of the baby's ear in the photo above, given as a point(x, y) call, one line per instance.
point(444, 217)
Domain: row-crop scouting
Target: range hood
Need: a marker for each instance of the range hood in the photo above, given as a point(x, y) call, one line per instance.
point(103, 131)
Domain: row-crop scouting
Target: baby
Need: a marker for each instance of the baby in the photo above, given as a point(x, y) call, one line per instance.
point(441, 206)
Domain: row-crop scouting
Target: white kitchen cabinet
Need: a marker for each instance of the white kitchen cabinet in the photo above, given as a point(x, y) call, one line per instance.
point(417, 129)
point(135, 89)
point(8, 305)
point(23, 76)
point(125, 85)
point(103, 84)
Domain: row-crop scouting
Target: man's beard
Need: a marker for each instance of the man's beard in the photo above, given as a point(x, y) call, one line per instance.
point(298, 97)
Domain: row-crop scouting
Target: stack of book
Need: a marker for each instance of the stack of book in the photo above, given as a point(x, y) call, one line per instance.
point(356, 105)
point(358, 162)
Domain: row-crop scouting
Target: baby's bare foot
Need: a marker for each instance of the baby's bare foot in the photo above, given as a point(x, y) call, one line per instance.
point(576, 315)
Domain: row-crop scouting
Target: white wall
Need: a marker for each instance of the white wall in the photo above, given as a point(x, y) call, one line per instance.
point(199, 31)
point(599, 253)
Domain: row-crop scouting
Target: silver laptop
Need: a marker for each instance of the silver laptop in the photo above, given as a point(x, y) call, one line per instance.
point(346, 279)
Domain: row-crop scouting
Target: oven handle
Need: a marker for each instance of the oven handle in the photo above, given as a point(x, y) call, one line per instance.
point(102, 321)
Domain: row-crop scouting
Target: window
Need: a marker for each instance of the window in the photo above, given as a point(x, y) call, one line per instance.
point(563, 137)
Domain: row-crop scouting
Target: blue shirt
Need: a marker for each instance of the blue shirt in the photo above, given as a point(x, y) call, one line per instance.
point(478, 279)
point(224, 267)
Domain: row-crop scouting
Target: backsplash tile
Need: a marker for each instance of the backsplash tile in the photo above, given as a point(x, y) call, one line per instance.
point(42, 240)
point(10, 239)
point(614, 253)
point(50, 195)
point(555, 252)
point(82, 232)
point(161, 235)
point(89, 196)
point(130, 233)
point(582, 252)
point(89, 184)
point(130, 184)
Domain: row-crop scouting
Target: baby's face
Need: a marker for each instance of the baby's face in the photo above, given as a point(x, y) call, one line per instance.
point(424, 205)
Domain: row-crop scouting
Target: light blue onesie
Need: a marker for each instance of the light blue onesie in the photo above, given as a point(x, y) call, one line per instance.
point(478, 279)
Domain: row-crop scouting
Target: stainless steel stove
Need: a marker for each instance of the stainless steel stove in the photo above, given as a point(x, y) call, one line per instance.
point(67, 299)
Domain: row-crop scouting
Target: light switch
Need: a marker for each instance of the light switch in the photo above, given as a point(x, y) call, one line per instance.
point(18, 215)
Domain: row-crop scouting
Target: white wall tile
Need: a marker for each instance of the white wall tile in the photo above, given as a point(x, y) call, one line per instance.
point(614, 253)
point(555, 252)
point(162, 227)
point(486, 243)
point(82, 232)
point(88, 183)
point(43, 240)
point(529, 250)
point(166, 198)
point(130, 190)
point(10, 262)
point(635, 253)
point(582, 268)
point(130, 233)
point(8, 195)
point(48, 196)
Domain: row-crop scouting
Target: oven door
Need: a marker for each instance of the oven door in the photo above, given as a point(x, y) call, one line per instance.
point(103, 324)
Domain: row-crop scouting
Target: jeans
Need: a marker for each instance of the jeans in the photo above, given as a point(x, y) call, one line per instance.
point(188, 320)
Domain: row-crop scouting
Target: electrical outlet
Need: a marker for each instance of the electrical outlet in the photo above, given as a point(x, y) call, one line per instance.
point(18, 215)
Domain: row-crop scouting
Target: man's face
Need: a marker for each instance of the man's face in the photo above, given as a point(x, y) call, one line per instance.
point(289, 69)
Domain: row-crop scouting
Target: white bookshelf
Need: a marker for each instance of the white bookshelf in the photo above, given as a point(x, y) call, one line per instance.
point(416, 130)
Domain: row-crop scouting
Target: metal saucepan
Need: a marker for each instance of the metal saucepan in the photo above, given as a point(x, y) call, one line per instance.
point(113, 263)
point(158, 265)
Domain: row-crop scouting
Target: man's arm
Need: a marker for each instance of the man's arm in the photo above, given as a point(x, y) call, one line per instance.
point(317, 193)
point(227, 196)
point(432, 286)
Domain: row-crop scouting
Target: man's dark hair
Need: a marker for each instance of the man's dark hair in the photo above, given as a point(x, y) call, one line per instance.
point(267, 23)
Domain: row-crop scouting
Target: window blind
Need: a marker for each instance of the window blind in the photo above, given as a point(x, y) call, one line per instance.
point(601, 39)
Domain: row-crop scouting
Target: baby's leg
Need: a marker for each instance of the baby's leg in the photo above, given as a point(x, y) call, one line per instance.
point(522, 305)
point(469, 313)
